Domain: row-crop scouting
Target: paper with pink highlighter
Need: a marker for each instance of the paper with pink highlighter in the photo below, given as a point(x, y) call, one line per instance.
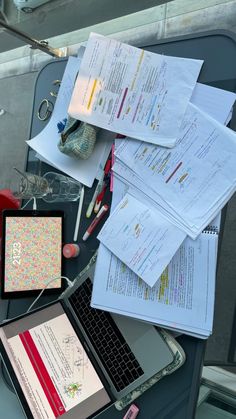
point(132, 91)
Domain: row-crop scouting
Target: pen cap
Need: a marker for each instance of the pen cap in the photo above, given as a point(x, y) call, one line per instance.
point(71, 250)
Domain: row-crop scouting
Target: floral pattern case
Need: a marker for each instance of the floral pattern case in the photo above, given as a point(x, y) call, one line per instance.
point(32, 252)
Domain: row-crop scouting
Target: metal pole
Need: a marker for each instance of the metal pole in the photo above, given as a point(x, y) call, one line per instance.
point(42, 45)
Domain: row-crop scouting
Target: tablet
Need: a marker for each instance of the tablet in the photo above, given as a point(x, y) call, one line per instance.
point(31, 252)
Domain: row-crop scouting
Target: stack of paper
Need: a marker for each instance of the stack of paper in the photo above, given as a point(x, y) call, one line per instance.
point(147, 268)
point(183, 297)
point(173, 173)
point(193, 181)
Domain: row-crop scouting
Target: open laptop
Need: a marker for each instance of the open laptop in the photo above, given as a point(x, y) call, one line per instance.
point(69, 359)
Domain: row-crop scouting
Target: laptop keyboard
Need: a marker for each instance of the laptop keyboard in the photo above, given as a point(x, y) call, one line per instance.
point(113, 350)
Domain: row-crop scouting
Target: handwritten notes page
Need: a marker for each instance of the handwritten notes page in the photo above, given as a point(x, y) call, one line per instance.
point(45, 143)
point(131, 91)
point(197, 177)
point(141, 237)
point(182, 299)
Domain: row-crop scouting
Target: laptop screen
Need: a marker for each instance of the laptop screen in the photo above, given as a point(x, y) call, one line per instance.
point(52, 365)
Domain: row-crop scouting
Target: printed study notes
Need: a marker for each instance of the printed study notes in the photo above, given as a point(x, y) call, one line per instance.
point(182, 299)
point(132, 91)
point(192, 181)
point(141, 237)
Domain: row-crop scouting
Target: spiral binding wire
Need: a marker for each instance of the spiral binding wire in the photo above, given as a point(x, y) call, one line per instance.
point(211, 230)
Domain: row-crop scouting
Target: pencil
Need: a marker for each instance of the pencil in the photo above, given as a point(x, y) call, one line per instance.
point(77, 224)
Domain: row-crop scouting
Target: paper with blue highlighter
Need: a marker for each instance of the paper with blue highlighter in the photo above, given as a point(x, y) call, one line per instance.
point(141, 238)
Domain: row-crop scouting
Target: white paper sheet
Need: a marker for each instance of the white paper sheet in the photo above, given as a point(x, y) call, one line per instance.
point(146, 194)
point(141, 237)
point(197, 177)
point(133, 92)
point(45, 143)
point(182, 299)
point(217, 103)
point(123, 186)
point(101, 165)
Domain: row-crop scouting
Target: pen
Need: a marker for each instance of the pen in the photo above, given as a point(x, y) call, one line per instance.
point(107, 166)
point(95, 222)
point(79, 215)
point(112, 164)
point(96, 193)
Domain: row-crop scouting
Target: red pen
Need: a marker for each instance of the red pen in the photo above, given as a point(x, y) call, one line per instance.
point(95, 222)
point(107, 167)
point(112, 164)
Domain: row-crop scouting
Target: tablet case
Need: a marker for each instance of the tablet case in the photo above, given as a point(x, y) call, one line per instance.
point(178, 361)
point(31, 252)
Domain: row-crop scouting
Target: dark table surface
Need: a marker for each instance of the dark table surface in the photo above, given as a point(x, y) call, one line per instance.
point(175, 396)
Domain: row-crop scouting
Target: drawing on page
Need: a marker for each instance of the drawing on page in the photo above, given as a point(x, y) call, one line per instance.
point(73, 390)
point(81, 358)
point(185, 179)
point(75, 355)
point(69, 339)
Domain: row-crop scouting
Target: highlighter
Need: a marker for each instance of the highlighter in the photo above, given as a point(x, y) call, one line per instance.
point(132, 413)
point(95, 222)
